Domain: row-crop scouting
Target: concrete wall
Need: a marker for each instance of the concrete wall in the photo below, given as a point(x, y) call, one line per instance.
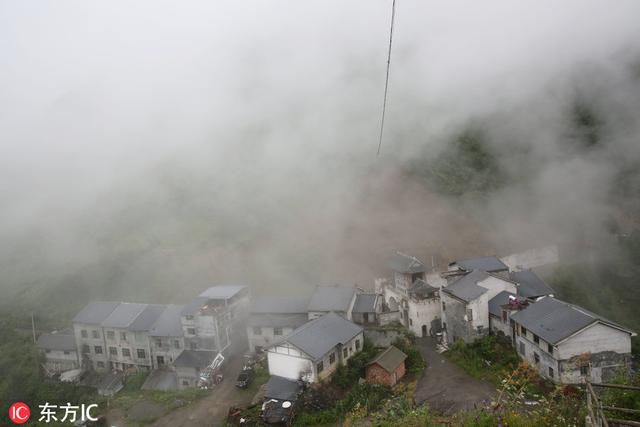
point(166, 347)
point(266, 336)
point(187, 377)
point(389, 317)
point(382, 337)
point(57, 361)
point(595, 339)
point(95, 359)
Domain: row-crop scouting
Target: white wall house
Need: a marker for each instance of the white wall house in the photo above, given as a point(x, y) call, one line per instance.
point(273, 317)
point(569, 344)
point(314, 351)
point(59, 352)
point(210, 320)
point(465, 304)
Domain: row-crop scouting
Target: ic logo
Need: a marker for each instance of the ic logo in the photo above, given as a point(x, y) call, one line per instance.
point(19, 413)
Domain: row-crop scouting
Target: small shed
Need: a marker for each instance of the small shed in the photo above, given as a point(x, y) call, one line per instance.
point(387, 368)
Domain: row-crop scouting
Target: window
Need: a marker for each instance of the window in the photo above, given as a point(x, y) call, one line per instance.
point(83, 333)
point(95, 334)
point(522, 352)
point(189, 317)
point(366, 317)
point(193, 346)
point(66, 352)
point(550, 348)
point(257, 330)
point(584, 370)
point(332, 358)
point(345, 353)
point(277, 331)
point(160, 360)
point(523, 331)
point(504, 316)
point(111, 335)
point(126, 352)
point(410, 322)
point(85, 349)
point(469, 315)
point(536, 339)
point(536, 357)
point(551, 372)
point(320, 367)
point(97, 349)
point(113, 351)
point(357, 345)
point(141, 353)
point(176, 343)
point(185, 383)
point(100, 364)
point(191, 331)
point(123, 336)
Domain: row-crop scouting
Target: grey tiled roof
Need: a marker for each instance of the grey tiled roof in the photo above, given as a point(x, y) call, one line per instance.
point(279, 304)
point(554, 320)
point(530, 285)
point(168, 323)
point(222, 292)
point(489, 264)
point(317, 337)
point(278, 320)
point(403, 263)
point(123, 315)
point(331, 298)
point(282, 389)
point(95, 312)
point(147, 317)
point(365, 303)
point(57, 341)
point(422, 289)
point(389, 359)
point(496, 303)
point(466, 288)
point(195, 359)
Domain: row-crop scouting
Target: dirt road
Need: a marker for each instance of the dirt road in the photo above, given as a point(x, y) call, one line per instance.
point(445, 387)
point(211, 410)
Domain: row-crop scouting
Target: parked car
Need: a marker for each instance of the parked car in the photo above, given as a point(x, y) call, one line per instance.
point(245, 378)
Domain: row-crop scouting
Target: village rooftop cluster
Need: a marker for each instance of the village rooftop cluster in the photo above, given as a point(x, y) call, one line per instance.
point(306, 337)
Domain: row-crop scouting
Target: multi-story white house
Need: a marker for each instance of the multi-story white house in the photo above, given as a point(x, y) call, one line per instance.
point(569, 344)
point(89, 336)
point(126, 335)
point(314, 351)
point(465, 304)
point(167, 339)
point(209, 320)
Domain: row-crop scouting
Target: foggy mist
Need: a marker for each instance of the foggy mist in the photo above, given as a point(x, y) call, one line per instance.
point(151, 149)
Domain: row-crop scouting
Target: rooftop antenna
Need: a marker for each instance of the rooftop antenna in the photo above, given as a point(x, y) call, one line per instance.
point(386, 83)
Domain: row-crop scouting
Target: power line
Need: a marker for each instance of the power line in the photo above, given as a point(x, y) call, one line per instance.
point(386, 83)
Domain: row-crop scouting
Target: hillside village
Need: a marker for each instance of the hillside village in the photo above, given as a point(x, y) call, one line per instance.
point(306, 338)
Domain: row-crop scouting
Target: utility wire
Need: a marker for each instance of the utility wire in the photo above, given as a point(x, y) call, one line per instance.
point(386, 83)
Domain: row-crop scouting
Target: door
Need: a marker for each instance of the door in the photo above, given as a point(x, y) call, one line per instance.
point(424, 330)
point(160, 360)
